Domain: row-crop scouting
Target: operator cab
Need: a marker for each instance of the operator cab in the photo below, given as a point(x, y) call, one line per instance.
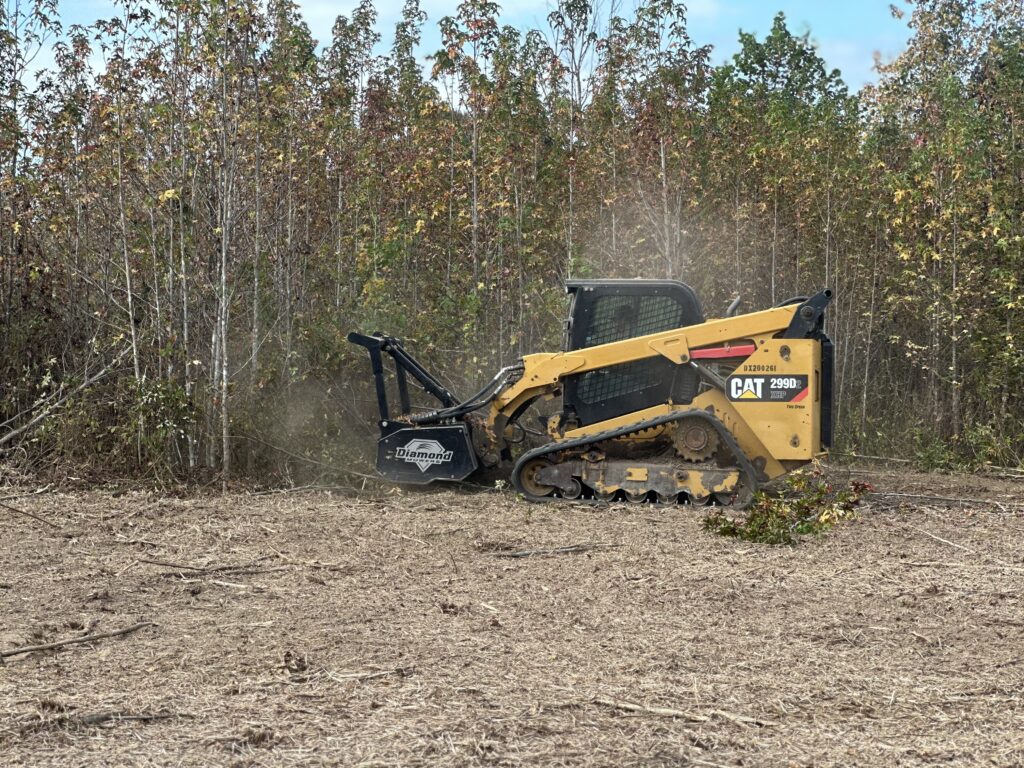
point(603, 311)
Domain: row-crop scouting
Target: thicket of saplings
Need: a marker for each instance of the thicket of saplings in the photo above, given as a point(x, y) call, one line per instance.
point(198, 202)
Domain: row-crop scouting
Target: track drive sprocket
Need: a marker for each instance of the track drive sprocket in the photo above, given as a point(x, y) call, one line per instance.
point(695, 440)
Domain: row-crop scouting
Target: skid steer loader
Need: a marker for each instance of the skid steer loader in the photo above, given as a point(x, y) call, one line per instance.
point(651, 402)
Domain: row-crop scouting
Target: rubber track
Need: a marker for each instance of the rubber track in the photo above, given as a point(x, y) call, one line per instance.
point(745, 466)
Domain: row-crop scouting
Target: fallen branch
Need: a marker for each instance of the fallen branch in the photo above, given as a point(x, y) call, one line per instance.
point(361, 676)
point(693, 717)
point(741, 719)
point(180, 566)
point(870, 458)
point(98, 718)
point(75, 640)
point(316, 564)
point(998, 565)
point(235, 585)
point(331, 488)
point(991, 470)
point(235, 569)
point(943, 499)
point(34, 516)
point(88, 382)
point(36, 492)
point(944, 541)
point(570, 550)
point(629, 706)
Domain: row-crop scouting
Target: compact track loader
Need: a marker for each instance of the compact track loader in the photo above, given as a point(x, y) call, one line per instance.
point(651, 402)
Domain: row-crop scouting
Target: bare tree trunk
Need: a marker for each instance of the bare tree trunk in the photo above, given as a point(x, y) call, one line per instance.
point(257, 248)
point(828, 232)
point(289, 232)
point(666, 221)
point(223, 312)
point(775, 241)
point(186, 347)
point(736, 225)
point(866, 357)
point(126, 261)
point(572, 207)
point(615, 197)
point(338, 234)
point(130, 304)
point(475, 203)
point(158, 322)
point(796, 270)
point(228, 156)
point(954, 363)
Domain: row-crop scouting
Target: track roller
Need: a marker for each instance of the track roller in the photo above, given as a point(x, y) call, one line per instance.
point(574, 492)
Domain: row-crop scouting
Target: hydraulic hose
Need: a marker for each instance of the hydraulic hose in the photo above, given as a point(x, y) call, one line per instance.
point(474, 403)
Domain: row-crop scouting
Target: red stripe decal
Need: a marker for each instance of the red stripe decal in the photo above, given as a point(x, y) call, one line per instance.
point(714, 353)
point(801, 396)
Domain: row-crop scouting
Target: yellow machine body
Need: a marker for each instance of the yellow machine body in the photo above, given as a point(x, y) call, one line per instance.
point(749, 400)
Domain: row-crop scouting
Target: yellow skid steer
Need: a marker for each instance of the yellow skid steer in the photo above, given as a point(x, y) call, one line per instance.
point(651, 402)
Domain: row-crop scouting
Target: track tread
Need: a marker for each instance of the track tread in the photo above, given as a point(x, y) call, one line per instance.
point(746, 468)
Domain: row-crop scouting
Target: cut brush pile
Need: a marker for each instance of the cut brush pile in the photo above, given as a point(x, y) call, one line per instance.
point(808, 503)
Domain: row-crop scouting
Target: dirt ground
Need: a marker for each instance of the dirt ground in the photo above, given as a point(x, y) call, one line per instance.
point(311, 629)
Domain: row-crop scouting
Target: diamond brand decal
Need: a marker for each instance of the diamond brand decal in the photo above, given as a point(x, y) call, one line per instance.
point(423, 453)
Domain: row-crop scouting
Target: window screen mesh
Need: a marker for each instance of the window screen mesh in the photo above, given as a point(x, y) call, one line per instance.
point(618, 380)
point(622, 317)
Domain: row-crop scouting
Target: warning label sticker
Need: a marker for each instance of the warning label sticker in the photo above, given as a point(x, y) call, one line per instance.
point(767, 389)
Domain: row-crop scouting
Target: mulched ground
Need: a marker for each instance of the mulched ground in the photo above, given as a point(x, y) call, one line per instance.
point(307, 629)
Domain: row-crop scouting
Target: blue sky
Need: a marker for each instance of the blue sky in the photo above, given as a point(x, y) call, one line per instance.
point(848, 33)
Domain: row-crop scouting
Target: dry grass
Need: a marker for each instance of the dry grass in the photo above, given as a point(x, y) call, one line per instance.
point(327, 630)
